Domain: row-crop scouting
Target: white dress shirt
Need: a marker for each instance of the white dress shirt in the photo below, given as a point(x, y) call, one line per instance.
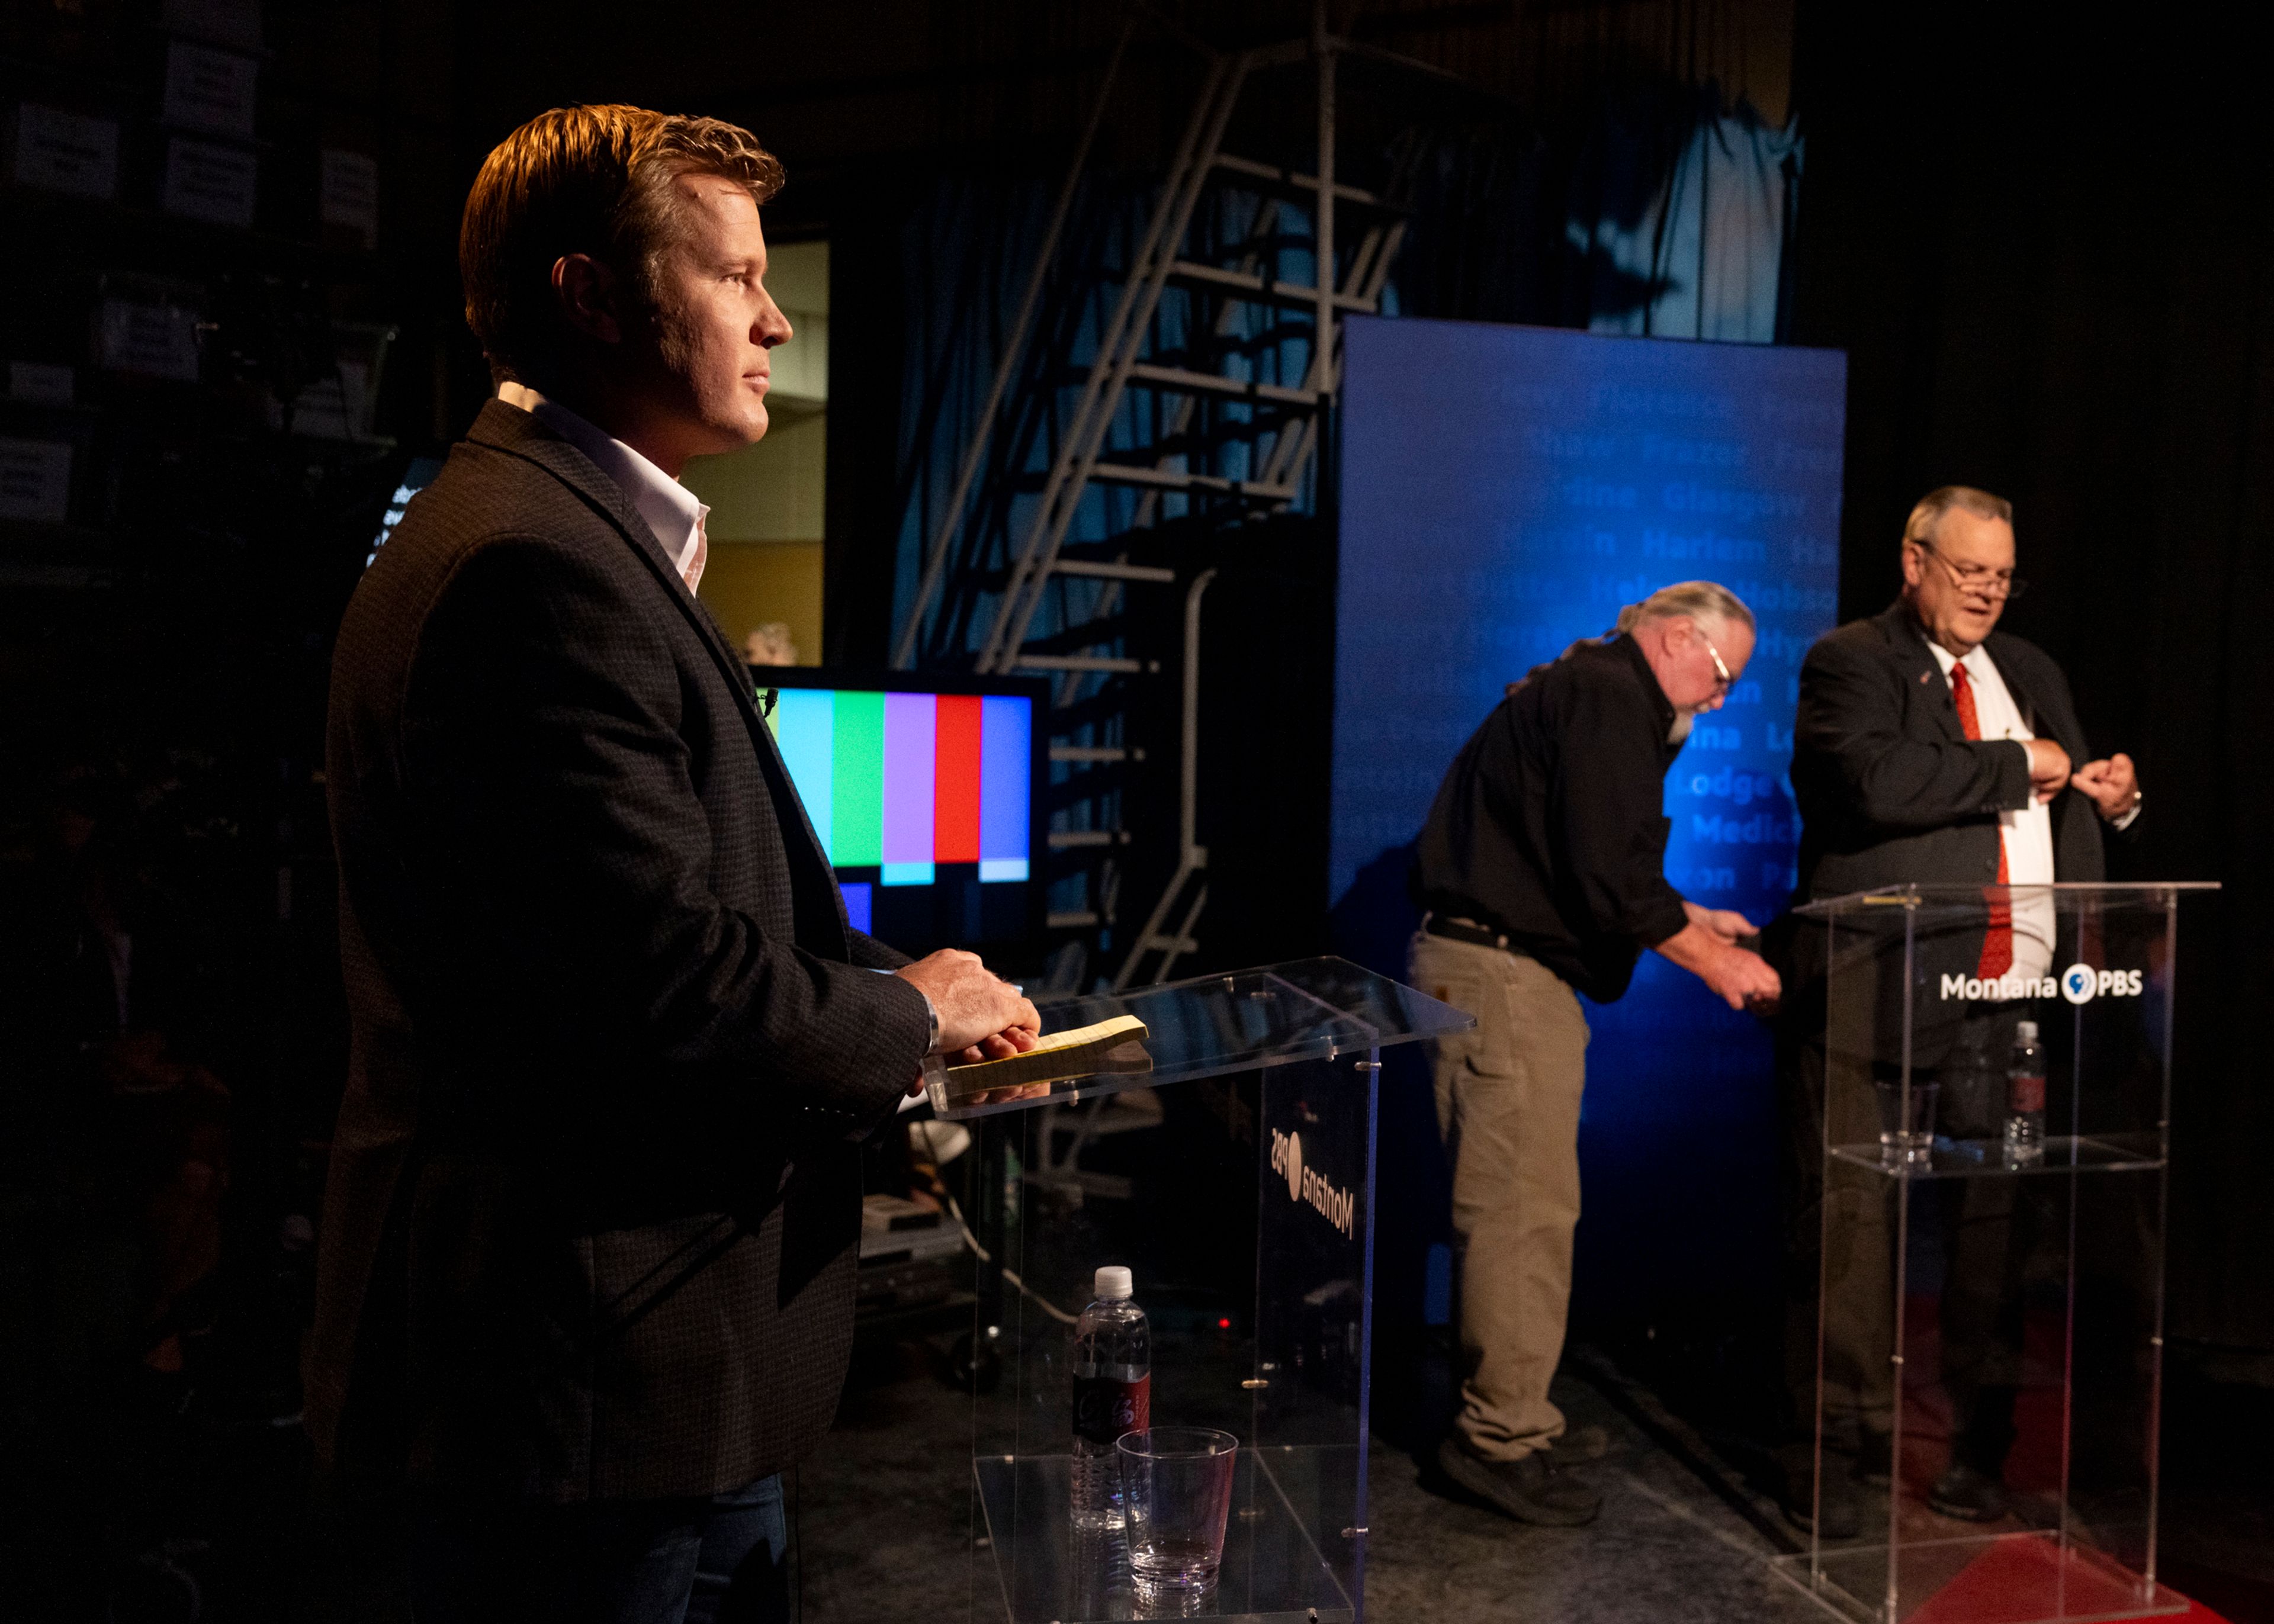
point(670, 509)
point(2029, 832)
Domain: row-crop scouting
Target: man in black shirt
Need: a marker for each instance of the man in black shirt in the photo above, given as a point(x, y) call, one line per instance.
point(1542, 870)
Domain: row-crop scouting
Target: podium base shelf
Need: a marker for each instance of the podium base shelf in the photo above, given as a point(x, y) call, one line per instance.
point(2023, 1578)
point(1283, 1520)
point(1985, 1159)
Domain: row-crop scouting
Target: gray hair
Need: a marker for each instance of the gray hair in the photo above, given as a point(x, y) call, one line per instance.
point(1688, 600)
point(1926, 518)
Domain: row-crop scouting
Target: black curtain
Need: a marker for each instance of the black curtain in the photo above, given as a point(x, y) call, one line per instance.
point(2044, 242)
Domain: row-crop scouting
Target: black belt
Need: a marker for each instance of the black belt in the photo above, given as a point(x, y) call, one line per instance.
point(1464, 930)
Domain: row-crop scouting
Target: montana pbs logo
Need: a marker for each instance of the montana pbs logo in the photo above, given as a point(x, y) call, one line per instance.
point(2080, 983)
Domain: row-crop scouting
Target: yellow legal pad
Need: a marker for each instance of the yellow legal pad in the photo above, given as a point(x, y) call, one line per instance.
point(1109, 1046)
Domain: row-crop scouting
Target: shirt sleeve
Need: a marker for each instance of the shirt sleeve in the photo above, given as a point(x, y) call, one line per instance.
point(1850, 719)
point(1607, 808)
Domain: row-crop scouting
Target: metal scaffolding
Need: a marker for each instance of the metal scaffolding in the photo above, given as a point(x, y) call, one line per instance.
point(1203, 403)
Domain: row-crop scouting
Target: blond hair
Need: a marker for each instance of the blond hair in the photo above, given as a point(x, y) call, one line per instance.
point(594, 180)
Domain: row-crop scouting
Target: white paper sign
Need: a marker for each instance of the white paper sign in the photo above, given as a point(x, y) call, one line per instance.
point(210, 182)
point(209, 89)
point(35, 383)
point(159, 339)
point(349, 195)
point(35, 480)
point(67, 152)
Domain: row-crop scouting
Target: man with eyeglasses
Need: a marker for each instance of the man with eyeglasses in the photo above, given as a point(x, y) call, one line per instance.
point(1931, 748)
point(1542, 871)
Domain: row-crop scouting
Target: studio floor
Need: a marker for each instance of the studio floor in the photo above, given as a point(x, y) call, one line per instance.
point(884, 1518)
point(885, 1510)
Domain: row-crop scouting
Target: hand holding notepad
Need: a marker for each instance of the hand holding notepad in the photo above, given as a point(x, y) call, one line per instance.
point(1114, 1046)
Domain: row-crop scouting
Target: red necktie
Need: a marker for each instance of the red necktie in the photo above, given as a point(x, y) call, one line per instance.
point(1997, 941)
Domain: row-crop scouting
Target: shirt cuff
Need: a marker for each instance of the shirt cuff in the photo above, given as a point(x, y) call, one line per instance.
point(2138, 801)
point(1662, 923)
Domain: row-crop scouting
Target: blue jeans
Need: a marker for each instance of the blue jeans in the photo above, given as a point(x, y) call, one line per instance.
point(723, 1558)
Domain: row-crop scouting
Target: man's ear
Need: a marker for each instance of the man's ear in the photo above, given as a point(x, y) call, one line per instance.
point(1914, 562)
point(589, 296)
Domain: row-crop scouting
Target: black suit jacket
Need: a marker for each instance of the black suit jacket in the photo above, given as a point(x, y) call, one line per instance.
point(1890, 789)
point(1892, 792)
point(592, 1216)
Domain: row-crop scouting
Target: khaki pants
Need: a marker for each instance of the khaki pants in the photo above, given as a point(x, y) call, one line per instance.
point(1507, 1105)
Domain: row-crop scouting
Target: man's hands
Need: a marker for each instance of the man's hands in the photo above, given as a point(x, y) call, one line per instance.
point(1740, 978)
point(2048, 767)
point(2114, 784)
point(982, 1016)
point(1726, 923)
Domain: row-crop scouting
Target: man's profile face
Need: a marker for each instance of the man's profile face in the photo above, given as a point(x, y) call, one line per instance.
point(715, 320)
point(1683, 661)
point(1956, 582)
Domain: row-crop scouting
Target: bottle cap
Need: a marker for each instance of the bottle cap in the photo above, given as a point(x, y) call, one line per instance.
point(2025, 1031)
point(1113, 1283)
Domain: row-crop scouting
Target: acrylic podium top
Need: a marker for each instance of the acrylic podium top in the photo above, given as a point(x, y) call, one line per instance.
point(1309, 1008)
point(2064, 898)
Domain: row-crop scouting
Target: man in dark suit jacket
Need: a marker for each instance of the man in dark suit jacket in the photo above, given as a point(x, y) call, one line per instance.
point(1928, 748)
point(586, 1279)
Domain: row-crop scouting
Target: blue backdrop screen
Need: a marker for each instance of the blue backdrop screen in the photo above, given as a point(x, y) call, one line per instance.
point(1503, 491)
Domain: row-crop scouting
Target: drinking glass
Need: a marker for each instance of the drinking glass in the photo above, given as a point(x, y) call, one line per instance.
point(1176, 1489)
point(1907, 1123)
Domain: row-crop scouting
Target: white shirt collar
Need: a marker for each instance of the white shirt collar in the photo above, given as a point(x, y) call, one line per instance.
point(671, 510)
point(1977, 661)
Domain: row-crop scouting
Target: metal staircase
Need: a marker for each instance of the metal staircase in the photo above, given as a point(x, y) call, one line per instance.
point(1200, 403)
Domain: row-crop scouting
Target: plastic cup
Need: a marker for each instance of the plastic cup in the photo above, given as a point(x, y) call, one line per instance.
point(1907, 1123)
point(1176, 1490)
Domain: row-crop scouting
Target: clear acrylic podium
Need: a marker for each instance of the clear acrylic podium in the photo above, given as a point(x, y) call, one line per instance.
point(1249, 1224)
point(1990, 1330)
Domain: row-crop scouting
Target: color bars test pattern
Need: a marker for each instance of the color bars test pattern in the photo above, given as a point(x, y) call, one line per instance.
point(902, 783)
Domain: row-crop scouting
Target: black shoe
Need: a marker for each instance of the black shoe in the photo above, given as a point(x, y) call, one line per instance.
point(1833, 1516)
point(1967, 1495)
point(1578, 1445)
point(1531, 1490)
point(1875, 1460)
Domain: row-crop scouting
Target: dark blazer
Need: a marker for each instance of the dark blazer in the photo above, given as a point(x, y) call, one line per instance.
point(591, 1217)
point(1891, 791)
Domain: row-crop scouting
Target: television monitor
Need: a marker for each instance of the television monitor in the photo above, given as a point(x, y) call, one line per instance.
point(926, 793)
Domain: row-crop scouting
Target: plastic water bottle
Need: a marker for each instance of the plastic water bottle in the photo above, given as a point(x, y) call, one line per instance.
point(2025, 1098)
point(1112, 1394)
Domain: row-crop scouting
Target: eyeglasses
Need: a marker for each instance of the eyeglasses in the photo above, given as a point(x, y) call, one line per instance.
point(1721, 670)
point(1973, 577)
